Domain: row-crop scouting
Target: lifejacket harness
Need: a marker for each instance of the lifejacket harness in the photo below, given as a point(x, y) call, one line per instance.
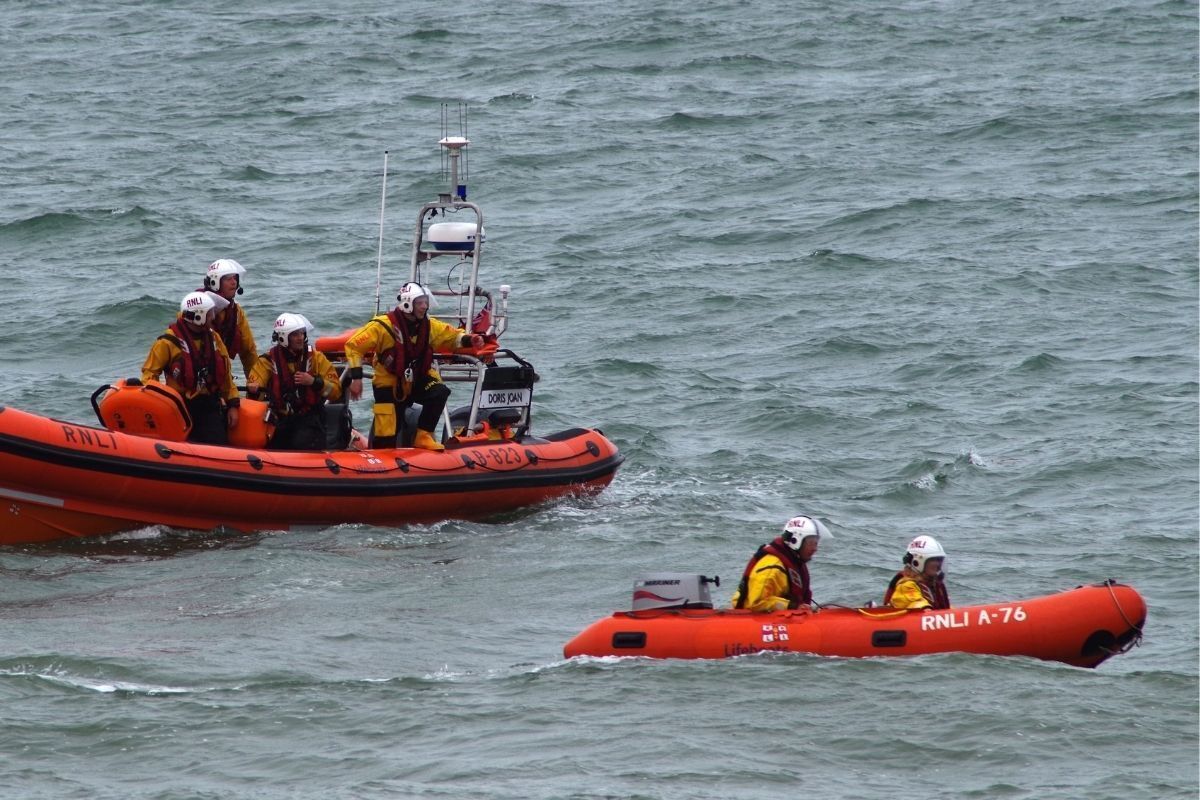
point(194, 371)
point(228, 329)
point(286, 396)
point(798, 592)
point(935, 594)
point(406, 359)
point(226, 326)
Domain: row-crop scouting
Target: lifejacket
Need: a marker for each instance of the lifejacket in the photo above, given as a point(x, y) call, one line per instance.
point(406, 355)
point(204, 369)
point(230, 331)
point(226, 326)
point(286, 396)
point(798, 591)
point(935, 594)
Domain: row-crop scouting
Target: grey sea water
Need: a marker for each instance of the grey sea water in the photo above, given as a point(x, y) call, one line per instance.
point(910, 266)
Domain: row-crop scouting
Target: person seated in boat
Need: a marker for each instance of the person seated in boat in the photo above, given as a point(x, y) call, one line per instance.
point(921, 583)
point(224, 278)
point(776, 578)
point(296, 381)
point(403, 341)
point(196, 364)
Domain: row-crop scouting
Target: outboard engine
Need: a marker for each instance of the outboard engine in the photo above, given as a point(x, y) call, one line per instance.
point(672, 590)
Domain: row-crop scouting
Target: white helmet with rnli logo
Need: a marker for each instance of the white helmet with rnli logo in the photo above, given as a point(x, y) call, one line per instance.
point(800, 528)
point(196, 306)
point(920, 550)
point(287, 323)
point(219, 269)
point(409, 293)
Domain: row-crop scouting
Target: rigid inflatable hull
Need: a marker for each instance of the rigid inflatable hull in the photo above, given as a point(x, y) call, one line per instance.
point(60, 479)
point(1082, 627)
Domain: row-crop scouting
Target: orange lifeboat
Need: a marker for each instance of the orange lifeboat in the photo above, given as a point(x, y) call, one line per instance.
point(60, 479)
point(1083, 627)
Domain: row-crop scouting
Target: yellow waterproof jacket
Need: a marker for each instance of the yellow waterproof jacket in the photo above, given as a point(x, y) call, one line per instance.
point(768, 586)
point(318, 365)
point(248, 353)
point(908, 594)
point(376, 337)
point(164, 353)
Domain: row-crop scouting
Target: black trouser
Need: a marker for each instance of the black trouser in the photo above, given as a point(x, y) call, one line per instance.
point(299, 432)
point(208, 420)
point(432, 395)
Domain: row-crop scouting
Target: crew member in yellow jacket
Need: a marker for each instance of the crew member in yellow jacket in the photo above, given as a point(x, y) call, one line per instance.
point(921, 584)
point(196, 364)
point(296, 381)
point(776, 578)
point(403, 341)
point(224, 278)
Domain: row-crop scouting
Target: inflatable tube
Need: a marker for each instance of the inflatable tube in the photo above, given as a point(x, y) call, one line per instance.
point(1082, 627)
point(60, 479)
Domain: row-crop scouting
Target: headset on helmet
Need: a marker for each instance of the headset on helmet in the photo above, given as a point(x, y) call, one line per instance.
point(409, 292)
point(195, 307)
point(800, 528)
point(286, 324)
point(920, 550)
point(219, 269)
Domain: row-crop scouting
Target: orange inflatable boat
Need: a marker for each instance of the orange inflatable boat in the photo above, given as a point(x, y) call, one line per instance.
point(61, 479)
point(1083, 627)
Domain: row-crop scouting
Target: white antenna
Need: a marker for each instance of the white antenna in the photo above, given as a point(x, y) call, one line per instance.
point(454, 153)
point(455, 148)
point(379, 255)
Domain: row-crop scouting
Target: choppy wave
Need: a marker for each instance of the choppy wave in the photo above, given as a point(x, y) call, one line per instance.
point(928, 268)
point(59, 223)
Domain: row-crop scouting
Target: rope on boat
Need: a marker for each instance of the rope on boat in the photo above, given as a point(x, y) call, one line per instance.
point(401, 466)
point(882, 613)
point(1136, 639)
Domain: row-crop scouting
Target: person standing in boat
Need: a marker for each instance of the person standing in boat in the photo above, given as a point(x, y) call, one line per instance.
point(921, 584)
point(776, 578)
point(296, 381)
point(224, 278)
point(403, 341)
point(196, 365)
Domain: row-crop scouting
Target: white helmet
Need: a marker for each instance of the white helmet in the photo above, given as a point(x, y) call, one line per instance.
point(409, 292)
point(920, 550)
point(800, 528)
point(195, 307)
point(219, 269)
point(286, 324)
